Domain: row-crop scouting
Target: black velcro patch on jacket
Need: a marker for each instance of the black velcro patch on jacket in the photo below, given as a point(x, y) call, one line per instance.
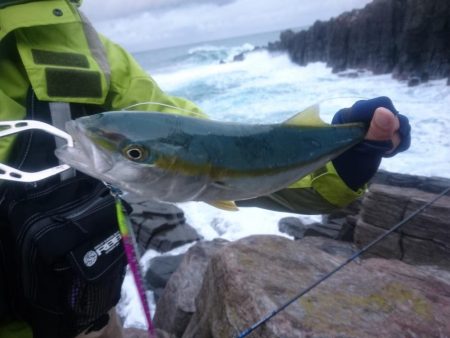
point(43, 57)
point(73, 83)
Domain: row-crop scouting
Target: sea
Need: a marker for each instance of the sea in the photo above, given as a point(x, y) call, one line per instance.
point(267, 87)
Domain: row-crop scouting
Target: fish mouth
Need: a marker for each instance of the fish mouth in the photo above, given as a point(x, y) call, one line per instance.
point(84, 155)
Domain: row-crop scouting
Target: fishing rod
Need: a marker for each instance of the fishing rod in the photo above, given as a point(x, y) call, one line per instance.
point(272, 314)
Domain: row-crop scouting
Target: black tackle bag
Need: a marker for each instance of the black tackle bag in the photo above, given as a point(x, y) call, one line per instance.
point(61, 255)
point(68, 256)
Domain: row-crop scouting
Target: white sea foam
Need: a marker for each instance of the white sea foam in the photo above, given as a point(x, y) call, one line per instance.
point(270, 88)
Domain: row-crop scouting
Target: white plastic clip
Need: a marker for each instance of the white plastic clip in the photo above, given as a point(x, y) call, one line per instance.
point(14, 127)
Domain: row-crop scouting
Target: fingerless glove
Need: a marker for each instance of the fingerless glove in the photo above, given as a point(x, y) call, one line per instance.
point(359, 164)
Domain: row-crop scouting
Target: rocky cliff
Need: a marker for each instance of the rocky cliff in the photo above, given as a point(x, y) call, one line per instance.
point(405, 37)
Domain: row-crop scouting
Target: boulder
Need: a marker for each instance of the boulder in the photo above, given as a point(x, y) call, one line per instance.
point(159, 272)
point(177, 302)
point(180, 235)
point(293, 226)
point(251, 277)
point(161, 226)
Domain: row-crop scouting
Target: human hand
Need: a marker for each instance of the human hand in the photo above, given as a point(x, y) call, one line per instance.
point(388, 133)
point(383, 121)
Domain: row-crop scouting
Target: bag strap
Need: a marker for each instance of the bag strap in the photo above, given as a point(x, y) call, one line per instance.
point(60, 113)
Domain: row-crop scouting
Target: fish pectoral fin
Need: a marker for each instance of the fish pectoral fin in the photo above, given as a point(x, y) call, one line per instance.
point(221, 185)
point(224, 205)
point(308, 117)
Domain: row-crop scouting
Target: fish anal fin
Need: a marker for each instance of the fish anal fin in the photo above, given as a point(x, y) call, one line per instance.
point(224, 205)
point(308, 117)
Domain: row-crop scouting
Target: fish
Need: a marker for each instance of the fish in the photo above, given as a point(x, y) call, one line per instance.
point(174, 158)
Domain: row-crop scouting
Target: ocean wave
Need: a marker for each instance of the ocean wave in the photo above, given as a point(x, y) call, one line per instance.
point(205, 54)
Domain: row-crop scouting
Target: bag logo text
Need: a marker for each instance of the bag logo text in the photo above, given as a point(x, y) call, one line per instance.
point(105, 247)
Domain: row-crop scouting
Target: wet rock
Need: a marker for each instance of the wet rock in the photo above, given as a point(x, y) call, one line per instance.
point(161, 226)
point(293, 226)
point(413, 81)
point(251, 277)
point(173, 238)
point(159, 272)
point(239, 57)
point(177, 303)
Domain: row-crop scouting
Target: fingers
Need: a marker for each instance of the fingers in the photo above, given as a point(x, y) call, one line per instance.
point(384, 126)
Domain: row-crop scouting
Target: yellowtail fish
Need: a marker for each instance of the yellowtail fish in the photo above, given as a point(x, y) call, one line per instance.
point(174, 158)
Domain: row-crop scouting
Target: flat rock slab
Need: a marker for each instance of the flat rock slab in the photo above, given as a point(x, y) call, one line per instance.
point(425, 239)
point(249, 278)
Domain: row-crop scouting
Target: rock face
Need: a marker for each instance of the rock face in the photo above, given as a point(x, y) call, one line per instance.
point(423, 240)
point(390, 298)
point(405, 37)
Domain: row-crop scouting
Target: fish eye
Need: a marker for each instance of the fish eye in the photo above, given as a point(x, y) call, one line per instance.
point(135, 152)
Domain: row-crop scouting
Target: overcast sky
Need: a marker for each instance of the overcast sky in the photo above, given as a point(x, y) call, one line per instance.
point(151, 24)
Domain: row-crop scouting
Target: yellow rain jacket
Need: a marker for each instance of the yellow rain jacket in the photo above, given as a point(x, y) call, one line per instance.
point(49, 45)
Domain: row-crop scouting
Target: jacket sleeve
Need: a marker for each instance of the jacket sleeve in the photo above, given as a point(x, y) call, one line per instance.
point(320, 192)
point(131, 85)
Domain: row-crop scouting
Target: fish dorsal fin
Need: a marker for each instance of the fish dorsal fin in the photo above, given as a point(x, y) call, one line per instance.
point(224, 205)
point(308, 117)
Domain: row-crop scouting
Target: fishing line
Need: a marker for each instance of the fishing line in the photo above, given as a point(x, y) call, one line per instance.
point(350, 259)
point(159, 104)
